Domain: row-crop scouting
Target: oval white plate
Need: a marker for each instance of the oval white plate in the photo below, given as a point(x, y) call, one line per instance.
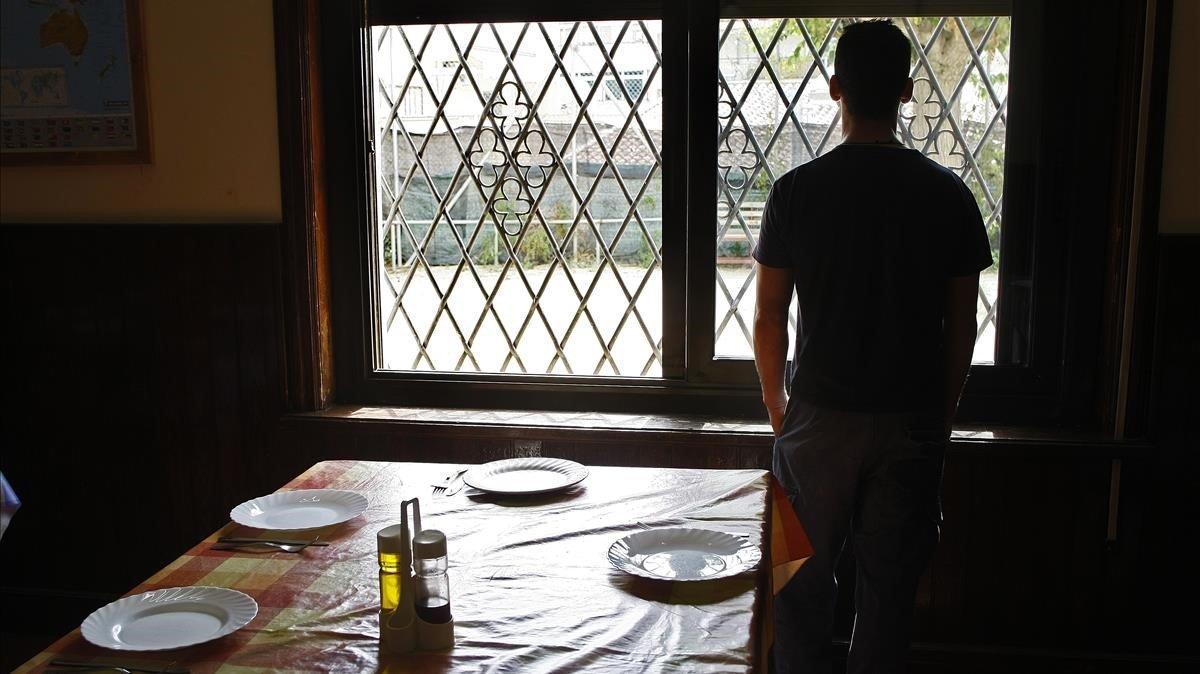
point(683, 554)
point(170, 618)
point(525, 476)
point(300, 509)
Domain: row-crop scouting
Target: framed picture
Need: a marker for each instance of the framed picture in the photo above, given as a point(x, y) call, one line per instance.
point(73, 83)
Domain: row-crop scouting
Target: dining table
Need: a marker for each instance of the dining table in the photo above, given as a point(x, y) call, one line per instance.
point(532, 589)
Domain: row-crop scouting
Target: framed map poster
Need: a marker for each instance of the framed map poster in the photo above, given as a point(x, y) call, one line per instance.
point(72, 82)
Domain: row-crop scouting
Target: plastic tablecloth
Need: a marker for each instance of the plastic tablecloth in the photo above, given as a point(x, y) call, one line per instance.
point(532, 589)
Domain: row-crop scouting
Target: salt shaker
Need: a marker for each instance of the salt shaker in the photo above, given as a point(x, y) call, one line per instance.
point(433, 585)
point(431, 594)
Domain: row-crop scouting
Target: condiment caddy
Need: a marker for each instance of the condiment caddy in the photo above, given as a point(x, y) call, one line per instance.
point(414, 612)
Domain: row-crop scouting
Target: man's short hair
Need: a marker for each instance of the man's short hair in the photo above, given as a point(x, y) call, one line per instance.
point(872, 63)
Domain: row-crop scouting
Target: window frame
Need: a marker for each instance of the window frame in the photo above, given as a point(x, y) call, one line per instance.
point(693, 381)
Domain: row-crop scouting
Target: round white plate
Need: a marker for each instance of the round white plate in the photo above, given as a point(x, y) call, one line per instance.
point(170, 618)
point(300, 509)
point(525, 476)
point(683, 554)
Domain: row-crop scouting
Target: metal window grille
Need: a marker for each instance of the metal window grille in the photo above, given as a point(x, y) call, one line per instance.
point(775, 113)
point(519, 200)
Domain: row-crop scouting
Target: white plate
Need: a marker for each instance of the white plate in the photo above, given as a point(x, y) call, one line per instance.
point(683, 554)
point(300, 509)
point(170, 618)
point(525, 476)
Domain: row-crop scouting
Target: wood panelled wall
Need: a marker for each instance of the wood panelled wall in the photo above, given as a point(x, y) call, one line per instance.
point(142, 389)
point(144, 398)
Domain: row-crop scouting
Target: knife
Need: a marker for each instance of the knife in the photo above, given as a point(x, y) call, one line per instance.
point(281, 541)
point(103, 665)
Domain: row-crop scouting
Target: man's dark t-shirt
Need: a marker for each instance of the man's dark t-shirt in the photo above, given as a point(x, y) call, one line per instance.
point(872, 233)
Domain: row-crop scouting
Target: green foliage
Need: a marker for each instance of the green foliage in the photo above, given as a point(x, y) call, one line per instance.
point(560, 211)
point(762, 184)
point(645, 254)
point(535, 247)
point(795, 57)
point(485, 248)
point(583, 247)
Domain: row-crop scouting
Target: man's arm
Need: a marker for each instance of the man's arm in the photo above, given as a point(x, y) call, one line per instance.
point(773, 295)
point(958, 334)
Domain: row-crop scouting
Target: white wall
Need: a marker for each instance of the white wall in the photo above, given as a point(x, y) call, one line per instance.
point(211, 85)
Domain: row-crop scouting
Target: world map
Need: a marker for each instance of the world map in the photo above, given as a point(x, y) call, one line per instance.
point(65, 64)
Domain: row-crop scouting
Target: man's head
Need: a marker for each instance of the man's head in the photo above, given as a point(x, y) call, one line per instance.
point(871, 70)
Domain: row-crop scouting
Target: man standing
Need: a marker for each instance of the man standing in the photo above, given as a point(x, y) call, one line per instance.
point(883, 248)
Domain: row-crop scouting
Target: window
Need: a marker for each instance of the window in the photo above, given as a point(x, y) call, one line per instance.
point(544, 208)
point(775, 113)
point(520, 225)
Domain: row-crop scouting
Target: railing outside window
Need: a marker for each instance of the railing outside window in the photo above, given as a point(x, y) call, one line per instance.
point(518, 197)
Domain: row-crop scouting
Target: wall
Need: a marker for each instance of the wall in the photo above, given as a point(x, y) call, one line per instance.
point(143, 388)
point(1180, 206)
point(142, 361)
point(211, 85)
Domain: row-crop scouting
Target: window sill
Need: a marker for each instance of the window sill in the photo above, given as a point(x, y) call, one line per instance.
point(558, 421)
point(969, 438)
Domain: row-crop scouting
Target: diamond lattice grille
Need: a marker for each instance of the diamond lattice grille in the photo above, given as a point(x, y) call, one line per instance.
point(518, 194)
point(775, 112)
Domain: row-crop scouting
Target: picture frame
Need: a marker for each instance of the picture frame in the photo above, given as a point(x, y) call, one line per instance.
point(79, 94)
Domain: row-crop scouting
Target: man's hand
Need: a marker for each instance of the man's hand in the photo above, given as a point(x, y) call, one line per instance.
point(773, 294)
point(776, 409)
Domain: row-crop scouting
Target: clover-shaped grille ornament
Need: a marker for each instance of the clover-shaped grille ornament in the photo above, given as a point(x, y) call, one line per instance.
point(510, 111)
point(533, 157)
point(510, 207)
point(736, 159)
point(487, 157)
point(725, 106)
point(926, 109)
point(949, 151)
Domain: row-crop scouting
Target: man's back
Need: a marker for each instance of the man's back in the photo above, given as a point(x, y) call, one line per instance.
point(872, 233)
point(884, 249)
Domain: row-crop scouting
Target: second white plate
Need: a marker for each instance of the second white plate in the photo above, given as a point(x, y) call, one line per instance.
point(525, 476)
point(683, 554)
point(300, 509)
point(170, 618)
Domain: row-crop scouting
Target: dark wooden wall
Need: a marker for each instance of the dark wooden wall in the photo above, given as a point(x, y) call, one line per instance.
point(144, 398)
point(142, 389)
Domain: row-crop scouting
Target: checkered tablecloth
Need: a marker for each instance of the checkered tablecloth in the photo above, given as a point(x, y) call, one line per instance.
point(531, 586)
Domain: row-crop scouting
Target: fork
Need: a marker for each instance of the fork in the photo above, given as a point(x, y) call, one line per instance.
point(442, 485)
